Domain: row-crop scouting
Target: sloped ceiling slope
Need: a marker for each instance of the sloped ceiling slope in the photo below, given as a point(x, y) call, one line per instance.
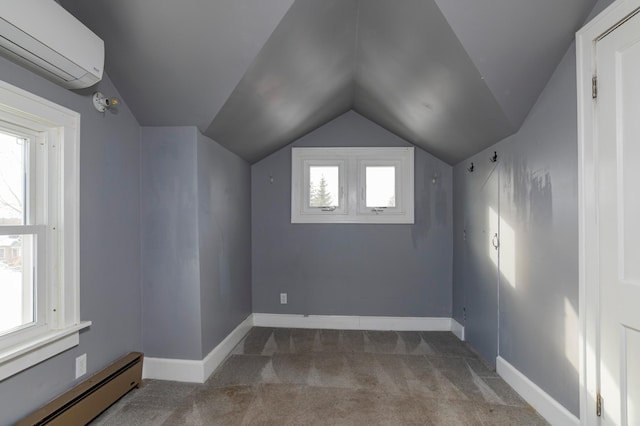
point(177, 62)
point(414, 78)
point(452, 77)
point(302, 78)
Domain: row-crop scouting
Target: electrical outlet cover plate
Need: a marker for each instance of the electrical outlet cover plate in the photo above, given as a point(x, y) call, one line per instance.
point(81, 365)
point(283, 298)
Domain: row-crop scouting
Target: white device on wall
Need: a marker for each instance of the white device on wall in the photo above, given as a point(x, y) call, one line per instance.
point(43, 37)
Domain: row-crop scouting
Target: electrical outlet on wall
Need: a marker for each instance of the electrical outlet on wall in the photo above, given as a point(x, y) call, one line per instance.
point(283, 298)
point(81, 365)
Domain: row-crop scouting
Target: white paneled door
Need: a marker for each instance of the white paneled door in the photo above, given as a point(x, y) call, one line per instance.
point(617, 184)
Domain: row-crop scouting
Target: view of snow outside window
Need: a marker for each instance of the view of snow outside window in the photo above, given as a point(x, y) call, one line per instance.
point(16, 300)
point(324, 186)
point(381, 186)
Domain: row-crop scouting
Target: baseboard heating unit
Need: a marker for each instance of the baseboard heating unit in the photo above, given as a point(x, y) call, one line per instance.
point(88, 399)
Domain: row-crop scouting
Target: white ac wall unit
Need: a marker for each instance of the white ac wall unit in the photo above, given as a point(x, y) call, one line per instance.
point(43, 37)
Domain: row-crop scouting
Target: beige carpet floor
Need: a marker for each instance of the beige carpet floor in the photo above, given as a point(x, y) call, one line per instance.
point(331, 377)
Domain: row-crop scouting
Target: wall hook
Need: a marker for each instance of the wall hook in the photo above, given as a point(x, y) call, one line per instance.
point(471, 168)
point(494, 157)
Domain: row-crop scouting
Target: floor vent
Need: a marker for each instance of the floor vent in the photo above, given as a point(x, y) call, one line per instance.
point(91, 397)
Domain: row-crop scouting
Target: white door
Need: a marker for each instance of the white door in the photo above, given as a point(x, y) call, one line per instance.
point(618, 221)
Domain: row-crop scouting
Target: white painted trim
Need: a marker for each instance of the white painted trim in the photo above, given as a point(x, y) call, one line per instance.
point(198, 371)
point(177, 370)
point(349, 160)
point(587, 203)
point(195, 371)
point(343, 322)
point(44, 346)
point(544, 404)
point(457, 329)
point(224, 348)
point(57, 212)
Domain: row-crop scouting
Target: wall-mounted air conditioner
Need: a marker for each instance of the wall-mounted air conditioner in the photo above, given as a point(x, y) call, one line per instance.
point(42, 36)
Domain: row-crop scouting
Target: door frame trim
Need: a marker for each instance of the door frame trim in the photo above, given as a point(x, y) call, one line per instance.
point(587, 201)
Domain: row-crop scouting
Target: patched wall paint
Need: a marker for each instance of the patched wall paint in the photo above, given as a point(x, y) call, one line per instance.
point(538, 192)
point(110, 256)
point(538, 166)
point(351, 269)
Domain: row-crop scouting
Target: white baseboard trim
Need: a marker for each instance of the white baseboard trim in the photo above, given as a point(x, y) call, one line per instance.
point(195, 371)
point(544, 404)
point(176, 370)
point(457, 329)
point(198, 371)
point(340, 322)
point(224, 348)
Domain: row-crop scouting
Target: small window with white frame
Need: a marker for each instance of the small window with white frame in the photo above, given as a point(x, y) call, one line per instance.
point(352, 185)
point(39, 162)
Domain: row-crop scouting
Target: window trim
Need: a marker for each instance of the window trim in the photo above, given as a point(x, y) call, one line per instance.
point(60, 332)
point(355, 160)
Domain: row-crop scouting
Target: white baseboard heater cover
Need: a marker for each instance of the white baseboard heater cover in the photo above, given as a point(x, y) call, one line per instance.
point(88, 399)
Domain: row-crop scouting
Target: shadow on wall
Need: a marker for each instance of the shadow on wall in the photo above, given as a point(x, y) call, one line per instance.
point(530, 191)
point(531, 256)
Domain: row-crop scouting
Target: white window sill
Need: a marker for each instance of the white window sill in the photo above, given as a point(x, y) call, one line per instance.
point(362, 219)
point(24, 355)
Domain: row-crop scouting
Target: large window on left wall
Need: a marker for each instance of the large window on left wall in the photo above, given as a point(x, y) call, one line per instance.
point(39, 269)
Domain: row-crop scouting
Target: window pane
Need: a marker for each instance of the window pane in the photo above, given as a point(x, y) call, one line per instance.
point(381, 186)
point(16, 281)
point(324, 186)
point(12, 185)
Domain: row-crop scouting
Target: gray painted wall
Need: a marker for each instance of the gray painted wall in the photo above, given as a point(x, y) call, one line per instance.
point(538, 200)
point(169, 243)
point(480, 271)
point(351, 269)
point(224, 229)
point(538, 319)
point(195, 242)
point(458, 291)
point(109, 250)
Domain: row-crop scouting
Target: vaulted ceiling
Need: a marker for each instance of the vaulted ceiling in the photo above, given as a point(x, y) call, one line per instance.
point(452, 77)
